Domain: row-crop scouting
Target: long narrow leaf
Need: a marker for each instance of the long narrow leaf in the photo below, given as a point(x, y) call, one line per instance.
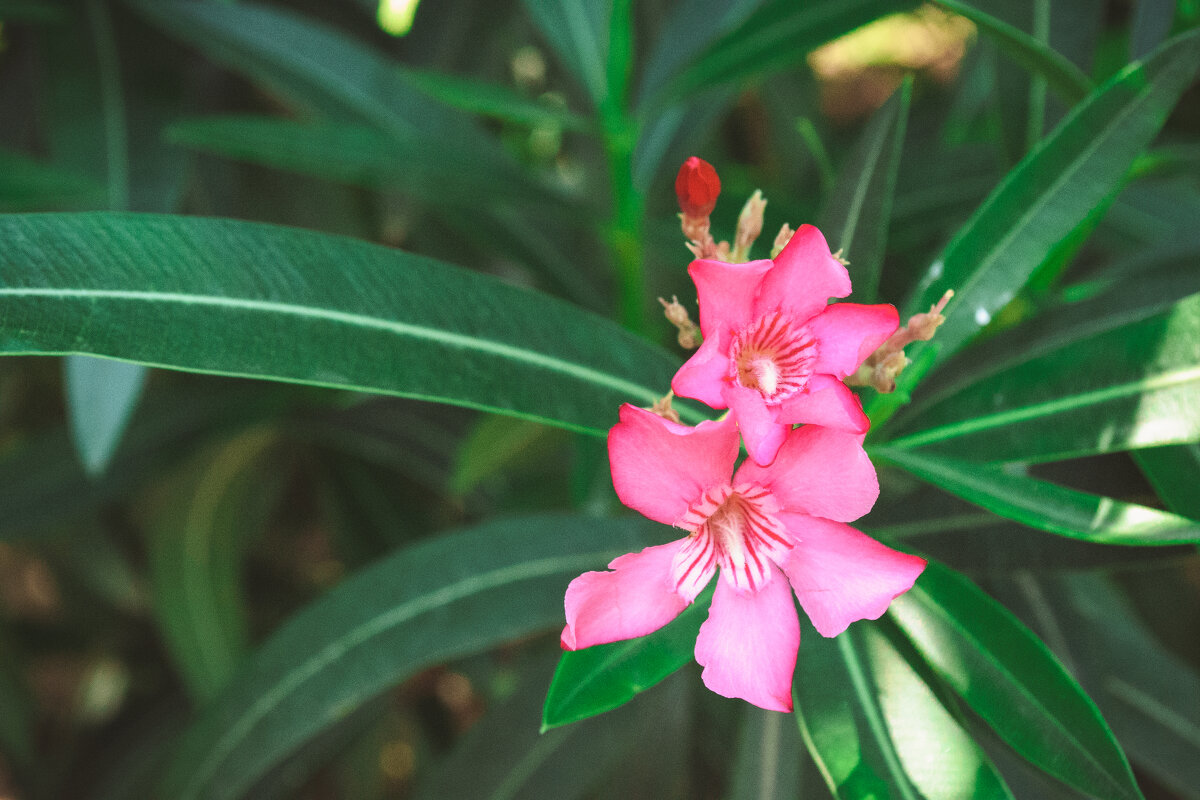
point(1013, 682)
point(459, 593)
point(1051, 191)
point(239, 298)
point(1060, 74)
point(1130, 386)
point(857, 216)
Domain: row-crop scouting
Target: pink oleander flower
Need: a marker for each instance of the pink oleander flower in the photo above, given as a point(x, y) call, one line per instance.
point(775, 352)
point(763, 528)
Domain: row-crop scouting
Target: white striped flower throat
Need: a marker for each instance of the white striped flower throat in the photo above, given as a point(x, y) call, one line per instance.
point(774, 356)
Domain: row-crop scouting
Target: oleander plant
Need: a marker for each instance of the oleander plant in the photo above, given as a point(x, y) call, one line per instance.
point(680, 399)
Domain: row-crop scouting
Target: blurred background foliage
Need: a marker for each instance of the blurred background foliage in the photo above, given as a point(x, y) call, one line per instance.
point(179, 551)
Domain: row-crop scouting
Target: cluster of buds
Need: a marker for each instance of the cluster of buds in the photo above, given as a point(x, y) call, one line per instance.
point(882, 367)
point(697, 187)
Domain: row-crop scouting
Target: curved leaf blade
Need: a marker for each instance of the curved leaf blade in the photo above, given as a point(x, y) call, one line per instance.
point(877, 729)
point(1013, 682)
point(1047, 506)
point(597, 679)
point(1130, 386)
point(1068, 80)
point(857, 216)
point(459, 593)
point(237, 298)
point(1050, 192)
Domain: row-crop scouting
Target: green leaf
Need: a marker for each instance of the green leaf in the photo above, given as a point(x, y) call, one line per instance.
point(769, 757)
point(491, 100)
point(690, 26)
point(1047, 506)
point(196, 548)
point(600, 678)
point(28, 185)
point(578, 30)
point(31, 11)
point(1174, 472)
point(1050, 192)
point(856, 217)
point(459, 593)
point(238, 298)
point(1128, 386)
point(505, 756)
point(876, 728)
point(1151, 23)
point(101, 396)
point(1036, 56)
point(1149, 695)
point(492, 445)
point(777, 36)
point(1013, 682)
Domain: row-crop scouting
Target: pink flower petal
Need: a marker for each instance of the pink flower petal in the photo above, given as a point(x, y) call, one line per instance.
point(638, 597)
point(841, 575)
point(827, 402)
point(805, 276)
point(819, 471)
point(660, 467)
point(849, 332)
point(749, 642)
point(726, 292)
point(703, 375)
point(761, 430)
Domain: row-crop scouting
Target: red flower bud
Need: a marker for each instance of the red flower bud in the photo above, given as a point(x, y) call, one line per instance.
point(697, 187)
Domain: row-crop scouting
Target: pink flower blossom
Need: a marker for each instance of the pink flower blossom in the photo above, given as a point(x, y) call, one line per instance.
point(774, 351)
point(762, 528)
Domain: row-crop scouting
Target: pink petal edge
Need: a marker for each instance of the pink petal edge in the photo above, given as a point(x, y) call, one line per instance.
point(804, 277)
point(726, 292)
point(820, 472)
point(847, 333)
point(762, 432)
point(840, 575)
point(749, 642)
point(635, 598)
point(660, 467)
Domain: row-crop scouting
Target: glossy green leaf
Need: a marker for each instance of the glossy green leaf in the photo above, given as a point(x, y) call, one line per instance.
point(1051, 191)
point(1047, 506)
point(769, 759)
point(1067, 80)
point(491, 100)
point(578, 30)
point(101, 396)
point(876, 728)
point(778, 35)
point(857, 216)
point(1149, 695)
point(1128, 386)
point(1174, 472)
point(196, 549)
point(600, 678)
point(238, 298)
point(458, 593)
point(1013, 682)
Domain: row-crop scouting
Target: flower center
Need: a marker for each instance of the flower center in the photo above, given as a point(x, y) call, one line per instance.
point(774, 356)
point(734, 528)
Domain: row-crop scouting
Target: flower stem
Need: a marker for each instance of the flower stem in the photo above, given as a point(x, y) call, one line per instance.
point(620, 132)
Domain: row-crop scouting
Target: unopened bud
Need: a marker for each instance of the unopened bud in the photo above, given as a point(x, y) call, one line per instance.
point(750, 225)
point(663, 408)
point(697, 187)
point(689, 335)
point(785, 236)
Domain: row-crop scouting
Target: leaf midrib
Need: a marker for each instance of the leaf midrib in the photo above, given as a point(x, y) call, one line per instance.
point(357, 636)
point(530, 357)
